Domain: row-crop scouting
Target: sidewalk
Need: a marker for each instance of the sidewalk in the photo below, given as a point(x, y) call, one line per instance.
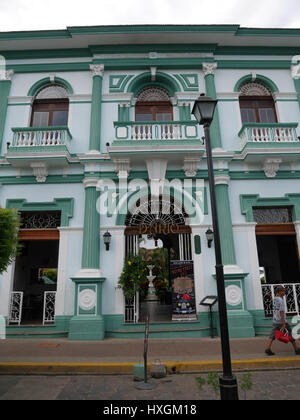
point(117, 356)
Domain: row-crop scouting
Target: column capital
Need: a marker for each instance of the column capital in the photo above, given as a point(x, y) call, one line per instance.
point(209, 68)
point(6, 75)
point(90, 182)
point(97, 69)
point(222, 179)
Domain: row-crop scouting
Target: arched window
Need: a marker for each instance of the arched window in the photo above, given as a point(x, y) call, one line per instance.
point(50, 106)
point(256, 103)
point(153, 104)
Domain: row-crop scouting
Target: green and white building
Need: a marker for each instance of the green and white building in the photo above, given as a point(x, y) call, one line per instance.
point(87, 113)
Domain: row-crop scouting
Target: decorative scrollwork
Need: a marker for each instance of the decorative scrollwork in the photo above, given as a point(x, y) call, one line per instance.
point(52, 91)
point(49, 307)
point(272, 215)
point(40, 220)
point(254, 89)
point(152, 94)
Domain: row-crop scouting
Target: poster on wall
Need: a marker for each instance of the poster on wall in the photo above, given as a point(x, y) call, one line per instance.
point(183, 291)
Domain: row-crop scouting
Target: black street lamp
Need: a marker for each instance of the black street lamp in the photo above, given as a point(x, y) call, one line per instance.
point(203, 111)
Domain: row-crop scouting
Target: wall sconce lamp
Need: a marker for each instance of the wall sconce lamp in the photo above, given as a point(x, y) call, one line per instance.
point(107, 238)
point(210, 237)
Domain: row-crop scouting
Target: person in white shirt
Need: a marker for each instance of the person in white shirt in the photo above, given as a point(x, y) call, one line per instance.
point(279, 321)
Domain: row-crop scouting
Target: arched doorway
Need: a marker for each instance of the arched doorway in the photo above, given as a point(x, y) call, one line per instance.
point(156, 229)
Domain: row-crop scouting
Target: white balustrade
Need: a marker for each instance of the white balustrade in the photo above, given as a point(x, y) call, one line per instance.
point(44, 137)
point(161, 131)
point(266, 134)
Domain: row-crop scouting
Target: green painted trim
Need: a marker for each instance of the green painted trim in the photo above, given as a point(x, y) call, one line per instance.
point(65, 205)
point(91, 228)
point(54, 53)
point(48, 128)
point(5, 86)
point(260, 78)
point(186, 83)
point(255, 64)
point(162, 80)
point(297, 87)
point(40, 83)
point(197, 243)
point(95, 123)
point(248, 201)
point(121, 83)
point(225, 224)
point(51, 179)
point(215, 131)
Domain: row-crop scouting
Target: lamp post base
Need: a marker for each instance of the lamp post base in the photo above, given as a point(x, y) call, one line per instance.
point(228, 388)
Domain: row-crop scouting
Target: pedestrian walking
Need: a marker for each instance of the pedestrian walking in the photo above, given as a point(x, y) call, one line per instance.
point(279, 321)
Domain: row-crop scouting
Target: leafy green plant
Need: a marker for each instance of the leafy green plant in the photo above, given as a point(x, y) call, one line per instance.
point(213, 380)
point(246, 383)
point(200, 381)
point(9, 225)
point(134, 276)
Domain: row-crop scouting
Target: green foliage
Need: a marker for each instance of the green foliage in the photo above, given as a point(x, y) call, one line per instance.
point(213, 380)
point(200, 381)
point(134, 276)
point(159, 258)
point(9, 225)
point(246, 382)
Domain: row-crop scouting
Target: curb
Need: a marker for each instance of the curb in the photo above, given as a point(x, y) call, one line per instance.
point(68, 368)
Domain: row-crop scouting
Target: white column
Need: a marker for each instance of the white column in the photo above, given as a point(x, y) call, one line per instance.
point(254, 297)
point(62, 271)
point(6, 287)
point(198, 268)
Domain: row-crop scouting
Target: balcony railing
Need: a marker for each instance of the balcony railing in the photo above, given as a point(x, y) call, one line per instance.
point(292, 298)
point(266, 133)
point(156, 130)
point(40, 136)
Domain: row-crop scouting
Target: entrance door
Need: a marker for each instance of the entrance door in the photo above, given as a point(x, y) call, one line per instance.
point(278, 258)
point(35, 276)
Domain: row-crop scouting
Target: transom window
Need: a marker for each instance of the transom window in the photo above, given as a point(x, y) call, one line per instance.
point(50, 107)
point(153, 104)
point(256, 103)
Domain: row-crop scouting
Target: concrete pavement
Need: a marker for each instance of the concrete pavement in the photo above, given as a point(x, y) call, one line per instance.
point(118, 356)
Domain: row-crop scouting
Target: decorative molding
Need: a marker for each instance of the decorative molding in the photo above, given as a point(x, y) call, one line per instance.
point(190, 166)
point(295, 69)
point(254, 89)
point(122, 167)
point(6, 75)
point(40, 171)
point(234, 295)
point(97, 70)
point(209, 68)
point(153, 71)
point(222, 179)
point(90, 182)
point(271, 167)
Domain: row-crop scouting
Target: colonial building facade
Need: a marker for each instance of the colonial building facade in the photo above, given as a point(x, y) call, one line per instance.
point(98, 145)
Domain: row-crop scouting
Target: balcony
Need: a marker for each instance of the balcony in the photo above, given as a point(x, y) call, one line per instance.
point(274, 140)
point(49, 144)
point(157, 137)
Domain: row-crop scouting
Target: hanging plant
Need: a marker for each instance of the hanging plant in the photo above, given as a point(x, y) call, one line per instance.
point(133, 278)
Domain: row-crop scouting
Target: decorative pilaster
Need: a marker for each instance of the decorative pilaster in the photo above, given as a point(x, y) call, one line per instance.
point(225, 222)
point(87, 322)
point(209, 77)
point(240, 321)
point(5, 85)
point(91, 231)
point(97, 72)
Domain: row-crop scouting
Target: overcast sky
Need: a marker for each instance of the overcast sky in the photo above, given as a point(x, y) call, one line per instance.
point(17, 15)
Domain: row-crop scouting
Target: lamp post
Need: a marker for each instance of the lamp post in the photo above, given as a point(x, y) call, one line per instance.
point(203, 111)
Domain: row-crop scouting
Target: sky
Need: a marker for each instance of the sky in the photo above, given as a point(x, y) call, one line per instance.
point(18, 15)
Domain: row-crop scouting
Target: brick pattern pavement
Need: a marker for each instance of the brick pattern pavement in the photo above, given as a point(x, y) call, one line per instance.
point(268, 385)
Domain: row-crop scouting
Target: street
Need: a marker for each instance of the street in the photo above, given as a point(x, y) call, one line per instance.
point(267, 385)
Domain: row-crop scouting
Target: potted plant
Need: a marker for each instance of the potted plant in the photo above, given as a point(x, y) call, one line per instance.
point(133, 278)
